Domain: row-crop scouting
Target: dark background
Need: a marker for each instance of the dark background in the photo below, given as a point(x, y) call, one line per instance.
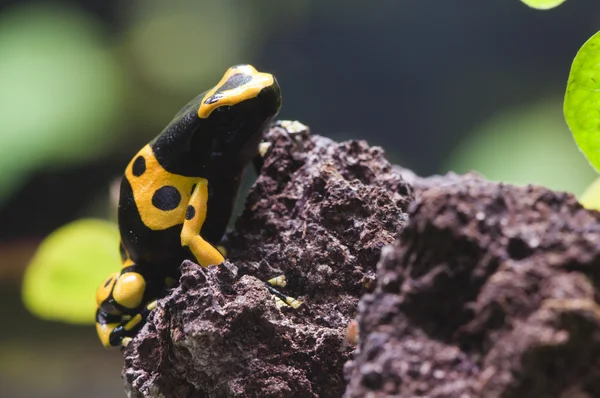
point(85, 84)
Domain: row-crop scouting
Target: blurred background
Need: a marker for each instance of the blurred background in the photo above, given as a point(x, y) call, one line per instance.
point(84, 84)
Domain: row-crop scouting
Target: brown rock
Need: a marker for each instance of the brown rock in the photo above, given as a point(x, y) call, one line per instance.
point(490, 292)
point(320, 213)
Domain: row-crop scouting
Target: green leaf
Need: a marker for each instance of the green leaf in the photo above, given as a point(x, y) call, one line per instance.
point(543, 4)
point(582, 100)
point(69, 265)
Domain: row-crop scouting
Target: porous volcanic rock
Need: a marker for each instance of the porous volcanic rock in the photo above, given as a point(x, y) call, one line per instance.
point(490, 291)
point(319, 213)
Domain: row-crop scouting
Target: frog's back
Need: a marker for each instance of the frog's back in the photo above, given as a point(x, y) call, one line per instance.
point(152, 208)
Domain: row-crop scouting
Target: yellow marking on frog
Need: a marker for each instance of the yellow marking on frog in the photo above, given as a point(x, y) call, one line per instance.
point(235, 95)
point(133, 322)
point(150, 181)
point(106, 288)
point(126, 340)
point(104, 332)
point(205, 253)
point(129, 289)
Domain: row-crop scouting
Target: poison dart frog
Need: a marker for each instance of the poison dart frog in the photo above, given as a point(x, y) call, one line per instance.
point(177, 196)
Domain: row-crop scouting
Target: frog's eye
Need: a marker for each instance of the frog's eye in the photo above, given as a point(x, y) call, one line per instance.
point(129, 290)
point(213, 98)
point(105, 289)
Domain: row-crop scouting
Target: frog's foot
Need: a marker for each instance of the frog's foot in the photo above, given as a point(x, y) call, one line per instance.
point(123, 333)
point(204, 252)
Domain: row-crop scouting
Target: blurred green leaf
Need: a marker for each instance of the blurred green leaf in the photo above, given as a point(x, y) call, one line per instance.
point(582, 100)
point(528, 145)
point(61, 90)
point(62, 278)
point(543, 4)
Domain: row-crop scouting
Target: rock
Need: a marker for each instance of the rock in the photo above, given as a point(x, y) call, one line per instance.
point(490, 291)
point(319, 213)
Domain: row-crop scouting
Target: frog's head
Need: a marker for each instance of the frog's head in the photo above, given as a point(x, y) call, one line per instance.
point(218, 132)
point(237, 111)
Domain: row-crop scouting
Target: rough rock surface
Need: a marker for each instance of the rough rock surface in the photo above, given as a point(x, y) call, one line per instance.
point(491, 291)
point(320, 213)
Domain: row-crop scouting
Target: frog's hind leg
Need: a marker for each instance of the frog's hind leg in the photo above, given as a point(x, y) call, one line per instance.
point(120, 300)
point(130, 287)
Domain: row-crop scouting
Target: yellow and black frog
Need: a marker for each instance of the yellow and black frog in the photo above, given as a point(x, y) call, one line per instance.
point(178, 193)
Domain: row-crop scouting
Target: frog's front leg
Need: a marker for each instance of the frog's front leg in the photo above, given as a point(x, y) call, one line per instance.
point(205, 253)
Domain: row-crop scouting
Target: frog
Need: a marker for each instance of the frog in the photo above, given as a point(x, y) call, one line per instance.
point(177, 196)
